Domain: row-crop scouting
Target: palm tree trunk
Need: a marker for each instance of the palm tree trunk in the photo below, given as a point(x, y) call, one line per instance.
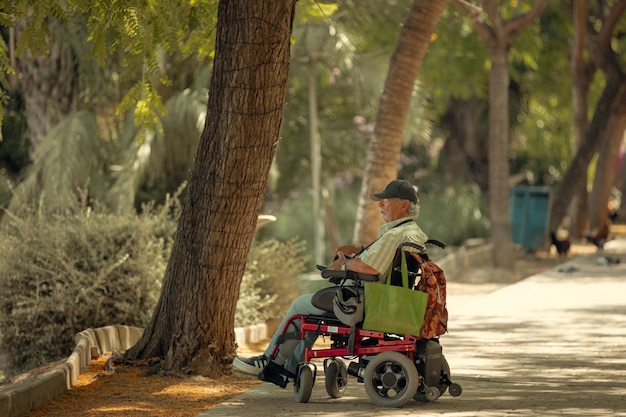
point(384, 149)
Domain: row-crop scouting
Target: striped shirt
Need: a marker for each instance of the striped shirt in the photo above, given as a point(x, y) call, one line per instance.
point(381, 253)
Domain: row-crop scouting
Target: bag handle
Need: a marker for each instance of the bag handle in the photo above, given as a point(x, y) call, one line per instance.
point(404, 270)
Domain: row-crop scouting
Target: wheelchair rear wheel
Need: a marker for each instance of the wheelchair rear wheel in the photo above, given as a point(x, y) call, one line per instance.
point(335, 377)
point(391, 379)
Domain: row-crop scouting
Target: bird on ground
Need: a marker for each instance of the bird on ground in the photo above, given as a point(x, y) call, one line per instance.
point(608, 260)
point(562, 246)
point(600, 237)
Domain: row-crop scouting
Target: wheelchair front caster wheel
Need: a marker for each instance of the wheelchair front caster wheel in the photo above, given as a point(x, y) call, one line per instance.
point(431, 393)
point(303, 384)
point(335, 377)
point(455, 390)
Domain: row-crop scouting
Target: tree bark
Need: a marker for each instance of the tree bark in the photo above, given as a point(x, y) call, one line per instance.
point(582, 75)
point(499, 190)
point(612, 98)
point(606, 169)
point(608, 110)
point(465, 152)
point(384, 149)
point(192, 327)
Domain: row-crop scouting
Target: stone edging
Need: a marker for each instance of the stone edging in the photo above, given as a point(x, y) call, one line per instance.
point(20, 397)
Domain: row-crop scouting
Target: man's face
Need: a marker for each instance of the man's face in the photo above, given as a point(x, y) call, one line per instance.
point(393, 208)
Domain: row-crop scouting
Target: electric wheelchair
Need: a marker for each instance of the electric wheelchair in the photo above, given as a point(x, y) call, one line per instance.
point(394, 368)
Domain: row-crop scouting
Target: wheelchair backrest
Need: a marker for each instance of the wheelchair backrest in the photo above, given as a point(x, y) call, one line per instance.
point(413, 265)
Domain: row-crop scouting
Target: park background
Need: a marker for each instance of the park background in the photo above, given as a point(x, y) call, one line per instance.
point(96, 151)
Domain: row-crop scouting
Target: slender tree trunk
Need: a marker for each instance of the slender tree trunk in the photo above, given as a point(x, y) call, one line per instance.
point(612, 98)
point(499, 189)
point(384, 149)
point(316, 165)
point(606, 169)
point(499, 36)
point(192, 327)
point(582, 74)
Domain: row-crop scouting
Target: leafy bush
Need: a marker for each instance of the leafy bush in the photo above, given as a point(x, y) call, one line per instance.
point(61, 274)
point(269, 283)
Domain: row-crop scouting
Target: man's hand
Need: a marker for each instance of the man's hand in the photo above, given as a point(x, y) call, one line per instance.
point(339, 261)
point(349, 249)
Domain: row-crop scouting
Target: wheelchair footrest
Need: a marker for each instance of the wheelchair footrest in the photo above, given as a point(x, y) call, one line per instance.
point(275, 374)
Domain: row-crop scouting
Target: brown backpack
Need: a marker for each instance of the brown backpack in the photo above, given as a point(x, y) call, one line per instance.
point(433, 282)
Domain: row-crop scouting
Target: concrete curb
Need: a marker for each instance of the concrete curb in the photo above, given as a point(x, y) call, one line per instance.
point(23, 396)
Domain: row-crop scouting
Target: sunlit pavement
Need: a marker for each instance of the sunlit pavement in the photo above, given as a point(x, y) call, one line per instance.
point(552, 344)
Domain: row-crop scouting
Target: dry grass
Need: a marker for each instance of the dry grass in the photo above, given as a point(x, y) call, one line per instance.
point(125, 393)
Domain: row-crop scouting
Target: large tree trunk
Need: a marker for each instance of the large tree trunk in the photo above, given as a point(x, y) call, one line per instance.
point(384, 149)
point(193, 322)
point(464, 154)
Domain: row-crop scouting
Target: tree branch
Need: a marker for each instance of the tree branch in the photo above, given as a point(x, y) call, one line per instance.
point(518, 23)
point(473, 12)
point(604, 37)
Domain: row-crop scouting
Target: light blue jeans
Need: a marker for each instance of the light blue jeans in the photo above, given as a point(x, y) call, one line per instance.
point(291, 352)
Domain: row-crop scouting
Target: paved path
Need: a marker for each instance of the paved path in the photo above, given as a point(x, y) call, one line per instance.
point(552, 344)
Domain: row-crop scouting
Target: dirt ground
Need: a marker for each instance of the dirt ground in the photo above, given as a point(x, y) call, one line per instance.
point(126, 394)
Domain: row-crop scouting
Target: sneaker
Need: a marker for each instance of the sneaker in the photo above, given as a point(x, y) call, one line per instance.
point(252, 365)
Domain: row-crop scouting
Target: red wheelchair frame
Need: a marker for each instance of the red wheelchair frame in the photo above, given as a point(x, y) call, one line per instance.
point(393, 368)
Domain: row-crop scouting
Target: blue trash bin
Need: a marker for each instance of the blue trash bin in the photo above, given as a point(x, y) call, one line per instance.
point(529, 207)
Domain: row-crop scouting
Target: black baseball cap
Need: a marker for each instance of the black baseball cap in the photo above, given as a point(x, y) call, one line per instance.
point(398, 189)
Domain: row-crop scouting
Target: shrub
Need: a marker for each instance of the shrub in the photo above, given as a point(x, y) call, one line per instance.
point(61, 274)
point(270, 281)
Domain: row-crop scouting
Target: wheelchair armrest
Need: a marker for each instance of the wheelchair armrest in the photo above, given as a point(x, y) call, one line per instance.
point(336, 275)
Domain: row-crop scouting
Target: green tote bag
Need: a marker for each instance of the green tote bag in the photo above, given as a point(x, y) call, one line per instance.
point(393, 309)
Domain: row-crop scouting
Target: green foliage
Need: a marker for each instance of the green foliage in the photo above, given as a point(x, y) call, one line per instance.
point(456, 63)
point(132, 33)
point(294, 218)
point(313, 11)
point(269, 283)
point(453, 213)
point(62, 274)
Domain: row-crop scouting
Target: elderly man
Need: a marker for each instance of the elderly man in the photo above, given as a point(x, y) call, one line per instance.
point(399, 206)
